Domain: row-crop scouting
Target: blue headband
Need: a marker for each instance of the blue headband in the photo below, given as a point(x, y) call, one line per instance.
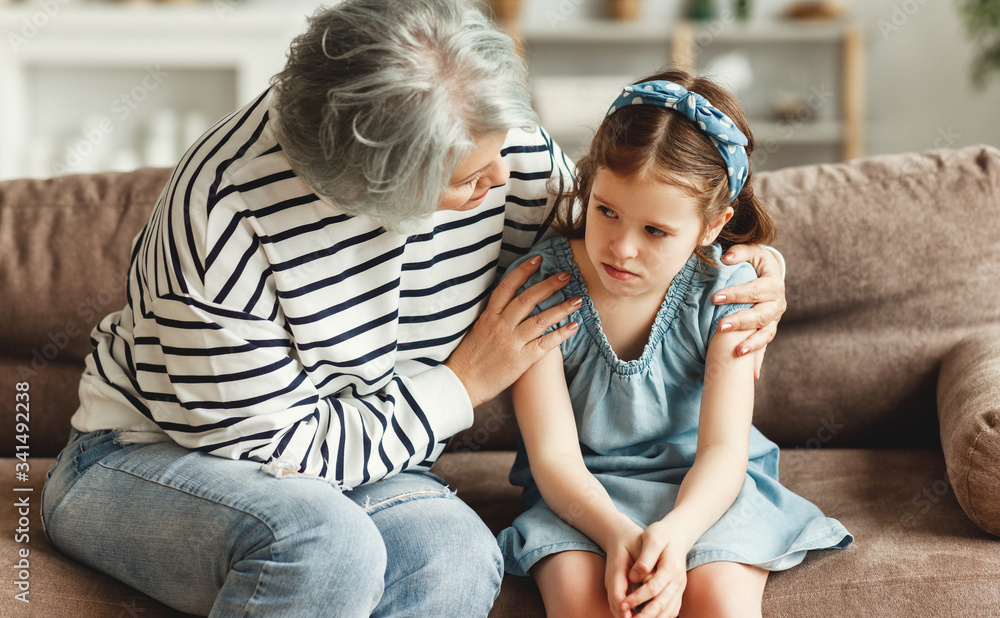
point(726, 136)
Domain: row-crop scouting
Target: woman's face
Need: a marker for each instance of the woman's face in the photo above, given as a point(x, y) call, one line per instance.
point(476, 173)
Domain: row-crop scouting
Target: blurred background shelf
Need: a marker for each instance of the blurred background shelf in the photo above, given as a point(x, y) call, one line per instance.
point(816, 132)
point(803, 89)
point(62, 71)
point(108, 86)
point(595, 31)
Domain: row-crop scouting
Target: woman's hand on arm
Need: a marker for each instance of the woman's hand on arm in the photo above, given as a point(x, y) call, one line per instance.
point(505, 341)
point(766, 293)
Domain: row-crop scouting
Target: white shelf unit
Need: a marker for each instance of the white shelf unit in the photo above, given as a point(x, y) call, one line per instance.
point(602, 55)
point(91, 78)
point(579, 68)
point(822, 62)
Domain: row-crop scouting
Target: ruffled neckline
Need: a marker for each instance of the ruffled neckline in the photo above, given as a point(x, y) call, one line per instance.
point(665, 315)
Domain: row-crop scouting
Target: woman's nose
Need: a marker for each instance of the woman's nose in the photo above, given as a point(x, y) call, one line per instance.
point(498, 172)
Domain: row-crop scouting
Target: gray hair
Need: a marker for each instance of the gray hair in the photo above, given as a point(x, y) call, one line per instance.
point(380, 99)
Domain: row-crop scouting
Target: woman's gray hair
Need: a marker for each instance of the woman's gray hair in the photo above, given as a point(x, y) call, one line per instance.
point(380, 99)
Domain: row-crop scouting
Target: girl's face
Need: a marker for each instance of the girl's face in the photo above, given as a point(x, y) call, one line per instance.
point(640, 232)
point(476, 173)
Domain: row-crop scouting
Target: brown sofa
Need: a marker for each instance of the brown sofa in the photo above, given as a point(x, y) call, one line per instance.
point(883, 386)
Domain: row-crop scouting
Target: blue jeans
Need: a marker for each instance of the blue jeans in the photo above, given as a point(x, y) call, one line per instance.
point(208, 535)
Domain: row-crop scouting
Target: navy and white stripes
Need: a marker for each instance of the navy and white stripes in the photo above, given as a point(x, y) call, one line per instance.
point(262, 323)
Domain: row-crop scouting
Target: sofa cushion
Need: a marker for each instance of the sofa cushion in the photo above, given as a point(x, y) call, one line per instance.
point(969, 410)
point(64, 251)
point(52, 398)
point(915, 552)
point(891, 261)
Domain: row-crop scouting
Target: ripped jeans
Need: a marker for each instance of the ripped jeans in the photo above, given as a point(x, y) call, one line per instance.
point(212, 536)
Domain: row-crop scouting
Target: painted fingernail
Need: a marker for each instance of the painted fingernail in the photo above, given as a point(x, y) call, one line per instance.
point(563, 276)
point(744, 350)
point(576, 302)
point(725, 327)
point(535, 261)
point(720, 298)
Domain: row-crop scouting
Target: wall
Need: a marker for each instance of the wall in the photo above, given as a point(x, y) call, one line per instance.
point(920, 93)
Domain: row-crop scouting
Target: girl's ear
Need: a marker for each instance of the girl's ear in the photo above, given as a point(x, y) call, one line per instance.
point(712, 232)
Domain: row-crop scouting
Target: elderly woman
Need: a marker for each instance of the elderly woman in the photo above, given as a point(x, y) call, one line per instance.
point(310, 318)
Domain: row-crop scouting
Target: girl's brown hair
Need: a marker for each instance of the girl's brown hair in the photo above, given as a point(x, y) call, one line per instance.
point(662, 142)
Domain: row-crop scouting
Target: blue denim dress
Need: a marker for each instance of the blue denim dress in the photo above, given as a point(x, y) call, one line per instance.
point(638, 429)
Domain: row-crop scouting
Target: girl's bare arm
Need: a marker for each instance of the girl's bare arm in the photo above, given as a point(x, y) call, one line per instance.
point(715, 479)
point(545, 417)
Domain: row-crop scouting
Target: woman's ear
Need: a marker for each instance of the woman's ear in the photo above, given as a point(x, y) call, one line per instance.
point(712, 231)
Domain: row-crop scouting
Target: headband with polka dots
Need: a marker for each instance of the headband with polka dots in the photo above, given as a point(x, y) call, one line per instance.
point(723, 132)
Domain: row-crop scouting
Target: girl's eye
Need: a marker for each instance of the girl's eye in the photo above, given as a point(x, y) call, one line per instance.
point(607, 212)
point(655, 231)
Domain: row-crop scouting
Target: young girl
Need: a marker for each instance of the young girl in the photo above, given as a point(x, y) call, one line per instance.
point(648, 488)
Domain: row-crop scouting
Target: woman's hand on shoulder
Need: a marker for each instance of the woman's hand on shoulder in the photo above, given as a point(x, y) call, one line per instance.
point(766, 293)
point(505, 341)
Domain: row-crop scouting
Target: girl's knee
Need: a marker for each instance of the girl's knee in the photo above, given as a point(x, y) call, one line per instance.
point(572, 585)
point(723, 589)
point(577, 600)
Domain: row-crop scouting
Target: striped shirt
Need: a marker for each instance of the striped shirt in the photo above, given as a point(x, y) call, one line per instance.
point(263, 323)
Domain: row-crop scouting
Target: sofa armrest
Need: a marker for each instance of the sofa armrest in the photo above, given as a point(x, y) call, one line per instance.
point(968, 402)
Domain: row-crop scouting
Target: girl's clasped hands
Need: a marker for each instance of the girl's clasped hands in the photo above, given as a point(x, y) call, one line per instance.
point(647, 570)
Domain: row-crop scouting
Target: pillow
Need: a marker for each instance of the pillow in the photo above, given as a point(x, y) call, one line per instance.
point(969, 410)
